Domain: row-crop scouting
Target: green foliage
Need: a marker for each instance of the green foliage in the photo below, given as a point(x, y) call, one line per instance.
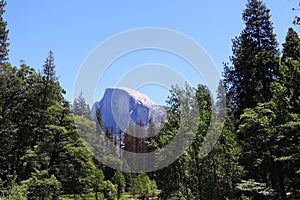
point(37, 131)
point(192, 176)
point(143, 186)
point(169, 178)
point(47, 153)
point(13, 191)
point(271, 151)
point(81, 108)
point(119, 180)
point(291, 46)
point(264, 101)
point(109, 189)
point(255, 59)
point(113, 161)
point(255, 189)
point(9, 105)
point(270, 130)
point(97, 181)
point(42, 186)
point(18, 192)
point(3, 35)
point(243, 197)
point(76, 172)
point(286, 91)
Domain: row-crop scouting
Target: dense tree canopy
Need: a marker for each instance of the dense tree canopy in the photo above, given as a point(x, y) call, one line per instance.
point(50, 149)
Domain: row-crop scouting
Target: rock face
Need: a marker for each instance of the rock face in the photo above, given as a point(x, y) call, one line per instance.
point(119, 106)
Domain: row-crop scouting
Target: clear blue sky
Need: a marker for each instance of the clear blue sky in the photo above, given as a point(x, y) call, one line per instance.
point(72, 29)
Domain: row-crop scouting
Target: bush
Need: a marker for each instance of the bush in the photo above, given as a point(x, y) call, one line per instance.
point(16, 192)
point(12, 190)
point(142, 185)
point(41, 186)
point(109, 189)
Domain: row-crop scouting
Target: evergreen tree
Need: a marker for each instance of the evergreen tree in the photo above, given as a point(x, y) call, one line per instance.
point(43, 186)
point(49, 68)
point(143, 186)
point(12, 87)
point(119, 180)
point(3, 35)
point(271, 151)
point(38, 131)
point(151, 132)
point(290, 80)
point(290, 70)
point(16, 87)
point(227, 152)
point(198, 174)
point(270, 132)
point(80, 107)
point(169, 178)
point(99, 120)
point(254, 61)
point(109, 189)
point(97, 182)
point(46, 110)
point(291, 47)
point(222, 102)
point(249, 82)
point(215, 175)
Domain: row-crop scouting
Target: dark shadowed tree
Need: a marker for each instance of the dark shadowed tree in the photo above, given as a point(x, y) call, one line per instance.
point(291, 46)
point(254, 61)
point(3, 35)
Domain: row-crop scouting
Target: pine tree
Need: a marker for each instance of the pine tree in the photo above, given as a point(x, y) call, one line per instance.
point(290, 70)
point(290, 80)
point(9, 86)
point(271, 148)
point(10, 105)
point(192, 176)
point(143, 186)
point(169, 178)
point(3, 35)
point(47, 94)
point(291, 47)
point(97, 182)
point(249, 82)
point(80, 107)
point(270, 130)
point(99, 120)
point(49, 68)
point(221, 103)
point(254, 61)
point(119, 180)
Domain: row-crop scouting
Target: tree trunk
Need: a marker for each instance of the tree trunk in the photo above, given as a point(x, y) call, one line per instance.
point(96, 195)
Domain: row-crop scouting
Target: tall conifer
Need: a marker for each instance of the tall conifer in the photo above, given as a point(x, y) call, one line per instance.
point(254, 60)
point(3, 35)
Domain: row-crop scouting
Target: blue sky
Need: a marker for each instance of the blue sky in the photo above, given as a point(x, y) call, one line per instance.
point(72, 29)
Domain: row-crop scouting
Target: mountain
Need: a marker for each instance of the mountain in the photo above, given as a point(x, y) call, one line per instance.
point(119, 106)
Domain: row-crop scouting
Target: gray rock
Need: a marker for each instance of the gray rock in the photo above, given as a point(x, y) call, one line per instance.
point(119, 106)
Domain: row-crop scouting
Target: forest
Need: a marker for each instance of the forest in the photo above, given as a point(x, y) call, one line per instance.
point(44, 155)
